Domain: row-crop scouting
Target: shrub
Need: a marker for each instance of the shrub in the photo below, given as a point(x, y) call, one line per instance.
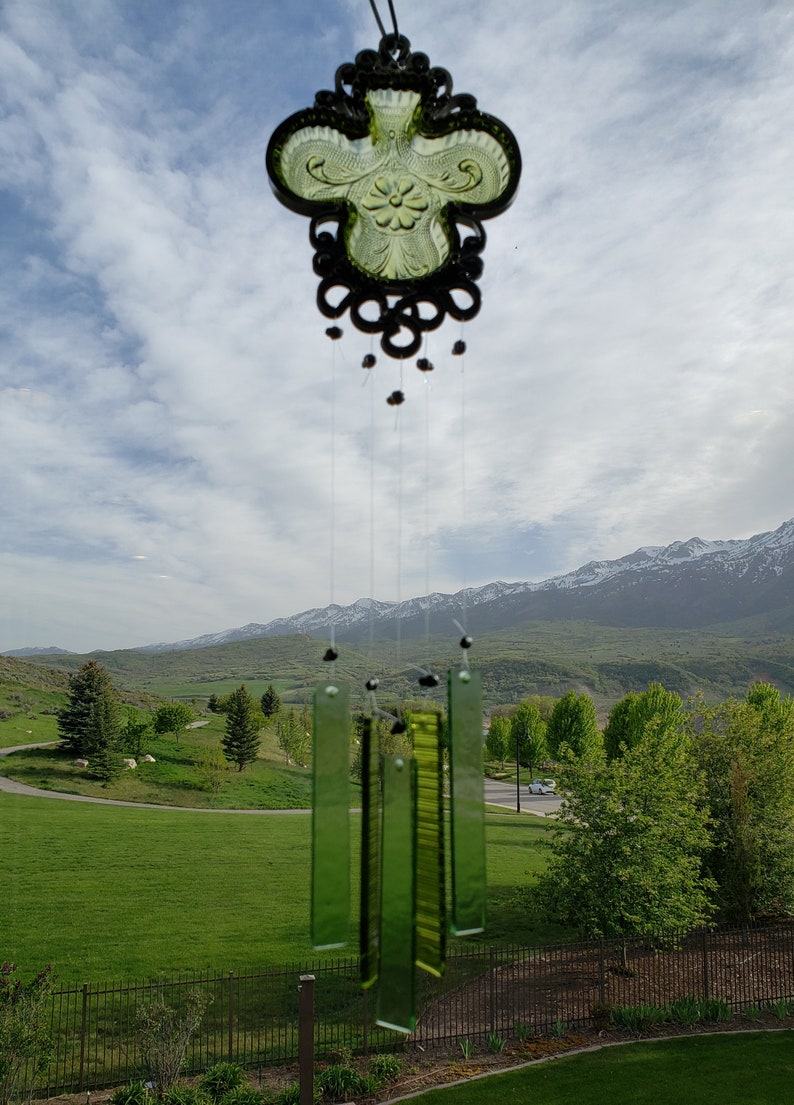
point(753, 1013)
point(242, 1095)
point(25, 1044)
point(466, 1047)
point(178, 1094)
point(639, 1018)
point(134, 1093)
point(782, 1008)
point(222, 1078)
point(386, 1068)
point(339, 1082)
point(715, 1009)
point(163, 1036)
point(686, 1011)
point(601, 1013)
point(496, 1043)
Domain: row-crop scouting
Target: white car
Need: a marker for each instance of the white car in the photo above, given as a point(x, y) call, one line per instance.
point(542, 786)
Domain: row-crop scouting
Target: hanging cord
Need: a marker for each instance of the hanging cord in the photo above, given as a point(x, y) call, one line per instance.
point(426, 376)
point(331, 653)
point(379, 21)
point(399, 527)
point(368, 378)
point(461, 346)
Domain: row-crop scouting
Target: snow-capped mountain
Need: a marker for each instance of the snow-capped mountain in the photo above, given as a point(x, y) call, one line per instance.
point(688, 584)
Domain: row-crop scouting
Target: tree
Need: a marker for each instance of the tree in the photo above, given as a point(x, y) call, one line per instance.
point(629, 718)
point(163, 1037)
point(746, 751)
point(294, 736)
point(211, 769)
point(25, 1042)
point(270, 702)
point(243, 722)
point(497, 742)
point(528, 735)
point(90, 720)
point(172, 717)
point(573, 724)
point(136, 732)
point(630, 840)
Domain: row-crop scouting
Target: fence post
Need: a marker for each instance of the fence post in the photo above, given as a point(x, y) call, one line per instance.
point(705, 959)
point(492, 989)
point(602, 996)
point(82, 1037)
point(231, 1018)
point(306, 1039)
point(365, 1023)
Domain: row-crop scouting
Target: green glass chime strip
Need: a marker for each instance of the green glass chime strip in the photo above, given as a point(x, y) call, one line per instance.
point(330, 816)
point(467, 810)
point(370, 853)
point(430, 903)
point(396, 995)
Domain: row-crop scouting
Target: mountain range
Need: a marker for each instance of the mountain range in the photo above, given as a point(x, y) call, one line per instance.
point(688, 584)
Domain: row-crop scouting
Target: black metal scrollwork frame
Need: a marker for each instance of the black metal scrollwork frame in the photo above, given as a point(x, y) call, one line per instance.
point(401, 310)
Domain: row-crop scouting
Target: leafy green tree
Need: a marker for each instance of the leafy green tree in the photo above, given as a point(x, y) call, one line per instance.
point(528, 733)
point(270, 702)
point(294, 736)
point(164, 1033)
point(573, 724)
point(25, 1042)
point(629, 718)
point(211, 769)
point(746, 751)
point(243, 722)
point(136, 732)
point(172, 717)
point(497, 742)
point(90, 721)
point(629, 841)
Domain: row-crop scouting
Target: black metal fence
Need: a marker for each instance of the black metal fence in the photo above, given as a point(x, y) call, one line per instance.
point(252, 1016)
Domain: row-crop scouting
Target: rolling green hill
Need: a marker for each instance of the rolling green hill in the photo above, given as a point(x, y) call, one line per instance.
point(547, 658)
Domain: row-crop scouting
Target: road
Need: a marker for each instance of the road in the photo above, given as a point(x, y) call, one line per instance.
point(498, 793)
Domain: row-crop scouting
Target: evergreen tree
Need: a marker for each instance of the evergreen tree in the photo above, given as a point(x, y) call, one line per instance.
point(243, 722)
point(573, 723)
point(90, 723)
point(270, 702)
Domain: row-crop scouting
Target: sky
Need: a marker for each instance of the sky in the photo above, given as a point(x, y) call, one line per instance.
point(183, 450)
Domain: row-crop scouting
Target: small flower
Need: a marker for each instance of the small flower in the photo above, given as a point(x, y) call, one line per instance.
point(396, 204)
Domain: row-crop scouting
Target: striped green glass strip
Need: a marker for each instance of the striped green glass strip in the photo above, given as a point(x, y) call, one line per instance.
point(396, 997)
point(370, 853)
point(330, 816)
point(430, 904)
point(467, 811)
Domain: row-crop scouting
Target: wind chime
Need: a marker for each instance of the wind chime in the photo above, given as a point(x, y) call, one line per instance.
point(390, 166)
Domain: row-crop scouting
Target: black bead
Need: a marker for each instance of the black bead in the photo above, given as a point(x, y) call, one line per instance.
point(331, 654)
point(459, 348)
point(466, 642)
point(334, 333)
point(368, 361)
point(396, 398)
point(424, 365)
point(372, 684)
point(429, 680)
point(398, 727)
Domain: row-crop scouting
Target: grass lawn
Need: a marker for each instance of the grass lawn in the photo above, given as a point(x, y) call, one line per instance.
point(724, 1069)
point(174, 778)
point(108, 892)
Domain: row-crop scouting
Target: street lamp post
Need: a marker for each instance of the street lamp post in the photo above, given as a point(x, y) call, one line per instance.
point(518, 773)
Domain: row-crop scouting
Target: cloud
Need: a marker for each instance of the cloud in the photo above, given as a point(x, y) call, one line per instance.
point(167, 389)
